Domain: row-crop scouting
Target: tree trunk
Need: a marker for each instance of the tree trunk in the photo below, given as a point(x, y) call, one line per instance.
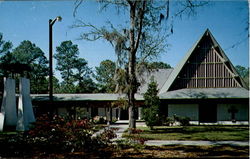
point(134, 43)
point(131, 69)
point(132, 121)
point(110, 113)
point(132, 90)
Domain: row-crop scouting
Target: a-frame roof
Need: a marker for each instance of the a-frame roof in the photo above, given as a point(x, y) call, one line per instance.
point(181, 64)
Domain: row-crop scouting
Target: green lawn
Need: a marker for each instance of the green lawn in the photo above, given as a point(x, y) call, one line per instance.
point(210, 133)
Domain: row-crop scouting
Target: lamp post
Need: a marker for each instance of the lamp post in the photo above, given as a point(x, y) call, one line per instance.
point(51, 22)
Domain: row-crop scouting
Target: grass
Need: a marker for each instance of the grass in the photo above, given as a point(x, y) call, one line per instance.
point(8, 133)
point(5, 134)
point(209, 133)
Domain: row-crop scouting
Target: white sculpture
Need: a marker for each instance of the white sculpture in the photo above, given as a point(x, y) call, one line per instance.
point(8, 108)
point(25, 111)
point(1, 121)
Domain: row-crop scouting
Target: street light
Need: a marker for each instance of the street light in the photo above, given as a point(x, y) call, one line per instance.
point(51, 22)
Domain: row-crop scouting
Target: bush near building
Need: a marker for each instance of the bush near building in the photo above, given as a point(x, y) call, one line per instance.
point(53, 136)
point(151, 110)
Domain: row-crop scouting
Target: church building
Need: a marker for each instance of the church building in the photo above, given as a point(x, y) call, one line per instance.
point(204, 86)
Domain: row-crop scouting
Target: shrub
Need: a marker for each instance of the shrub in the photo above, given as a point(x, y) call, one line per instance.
point(99, 120)
point(14, 145)
point(123, 143)
point(54, 135)
point(114, 119)
point(107, 135)
point(169, 121)
point(58, 135)
point(151, 110)
point(184, 121)
point(151, 117)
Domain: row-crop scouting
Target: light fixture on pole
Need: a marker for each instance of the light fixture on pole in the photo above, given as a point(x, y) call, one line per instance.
point(51, 22)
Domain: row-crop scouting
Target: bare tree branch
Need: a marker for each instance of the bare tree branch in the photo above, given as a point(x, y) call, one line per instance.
point(141, 12)
point(189, 7)
point(77, 4)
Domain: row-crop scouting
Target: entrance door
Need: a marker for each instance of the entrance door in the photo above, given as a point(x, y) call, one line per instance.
point(94, 111)
point(208, 113)
point(124, 114)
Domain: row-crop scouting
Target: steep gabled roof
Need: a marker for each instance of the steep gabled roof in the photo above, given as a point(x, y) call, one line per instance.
point(184, 61)
point(227, 60)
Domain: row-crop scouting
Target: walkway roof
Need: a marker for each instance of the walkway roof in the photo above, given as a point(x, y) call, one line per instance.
point(197, 93)
point(83, 97)
point(206, 93)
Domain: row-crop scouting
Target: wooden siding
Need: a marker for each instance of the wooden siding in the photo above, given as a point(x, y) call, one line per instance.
point(206, 68)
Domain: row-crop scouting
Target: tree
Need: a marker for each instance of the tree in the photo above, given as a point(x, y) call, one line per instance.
point(151, 110)
point(142, 37)
point(105, 76)
point(4, 49)
point(27, 53)
point(39, 83)
point(75, 72)
point(159, 65)
point(67, 54)
point(4, 46)
point(28, 60)
point(82, 76)
point(244, 73)
point(156, 65)
point(67, 87)
point(56, 85)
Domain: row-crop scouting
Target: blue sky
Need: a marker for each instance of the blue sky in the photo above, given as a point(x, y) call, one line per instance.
point(28, 20)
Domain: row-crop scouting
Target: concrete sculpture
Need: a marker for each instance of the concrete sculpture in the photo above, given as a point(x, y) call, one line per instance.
point(25, 110)
point(1, 121)
point(8, 109)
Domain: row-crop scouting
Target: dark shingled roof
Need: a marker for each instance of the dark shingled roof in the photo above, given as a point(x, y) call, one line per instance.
point(160, 76)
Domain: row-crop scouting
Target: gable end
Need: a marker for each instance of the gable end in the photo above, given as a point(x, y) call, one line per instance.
point(205, 66)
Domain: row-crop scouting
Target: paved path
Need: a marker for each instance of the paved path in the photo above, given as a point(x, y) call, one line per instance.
point(120, 131)
point(195, 143)
point(123, 125)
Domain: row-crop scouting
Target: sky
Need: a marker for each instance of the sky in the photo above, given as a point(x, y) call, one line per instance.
point(28, 20)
